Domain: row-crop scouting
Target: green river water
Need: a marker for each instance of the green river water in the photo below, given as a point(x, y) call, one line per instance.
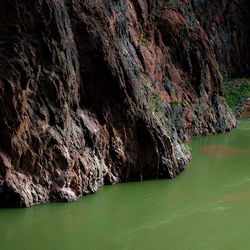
point(206, 207)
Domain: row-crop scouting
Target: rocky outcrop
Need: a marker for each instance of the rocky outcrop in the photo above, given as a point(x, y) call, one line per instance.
point(99, 92)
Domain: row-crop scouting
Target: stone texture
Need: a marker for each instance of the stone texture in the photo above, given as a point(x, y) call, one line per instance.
point(99, 92)
point(227, 24)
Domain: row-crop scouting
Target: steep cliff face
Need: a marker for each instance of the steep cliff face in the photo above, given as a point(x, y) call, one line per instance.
point(98, 92)
point(227, 24)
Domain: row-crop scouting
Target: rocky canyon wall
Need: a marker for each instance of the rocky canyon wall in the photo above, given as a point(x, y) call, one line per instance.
point(96, 92)
point(227, 24)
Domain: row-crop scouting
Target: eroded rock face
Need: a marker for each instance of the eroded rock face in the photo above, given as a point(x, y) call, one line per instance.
point(227, 24)
point(99, 92)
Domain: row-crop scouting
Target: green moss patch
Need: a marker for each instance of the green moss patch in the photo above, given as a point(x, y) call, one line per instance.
point(237, 93)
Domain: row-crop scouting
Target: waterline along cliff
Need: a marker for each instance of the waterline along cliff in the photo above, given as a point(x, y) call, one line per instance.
point(98, 92)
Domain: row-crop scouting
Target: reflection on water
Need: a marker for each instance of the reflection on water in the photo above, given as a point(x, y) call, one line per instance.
point(206, 207)
point(221, 151)
point(236, 197)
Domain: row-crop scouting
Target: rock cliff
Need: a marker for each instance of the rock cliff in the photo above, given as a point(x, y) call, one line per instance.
point(97, 92)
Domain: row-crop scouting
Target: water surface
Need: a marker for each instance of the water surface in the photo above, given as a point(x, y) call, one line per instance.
point(206, 207)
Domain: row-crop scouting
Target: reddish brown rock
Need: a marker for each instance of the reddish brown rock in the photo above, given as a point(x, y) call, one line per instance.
point(99, 92)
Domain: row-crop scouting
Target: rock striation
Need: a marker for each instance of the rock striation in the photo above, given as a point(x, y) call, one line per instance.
point(96, 92)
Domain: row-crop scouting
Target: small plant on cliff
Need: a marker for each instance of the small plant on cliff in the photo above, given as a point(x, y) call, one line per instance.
point(152, 17)
point(174, 102)
point(187, 148)
point(236, 91)
point(82, 151)
point(144, 42)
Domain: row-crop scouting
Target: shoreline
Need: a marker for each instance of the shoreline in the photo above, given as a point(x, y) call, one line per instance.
point(246, 111)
